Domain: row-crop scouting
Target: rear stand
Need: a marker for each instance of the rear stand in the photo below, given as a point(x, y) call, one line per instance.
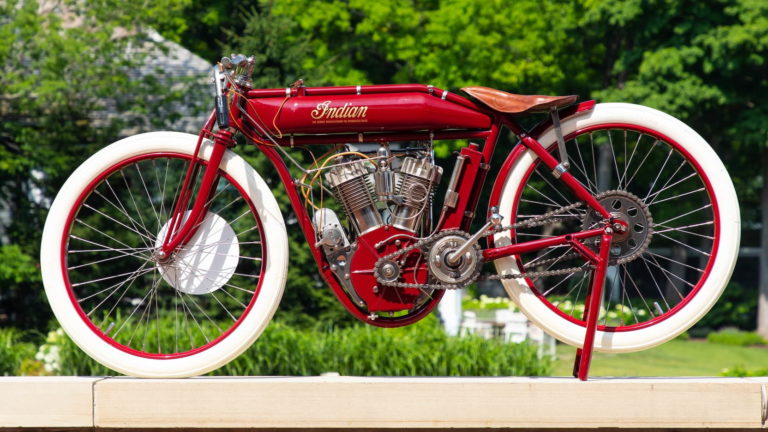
point(592, 304)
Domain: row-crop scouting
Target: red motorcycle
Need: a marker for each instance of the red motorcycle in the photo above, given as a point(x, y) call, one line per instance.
point(614, 227)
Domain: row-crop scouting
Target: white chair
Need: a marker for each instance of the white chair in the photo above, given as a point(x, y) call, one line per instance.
point(545, 342)
point(470, 325)
point(515, 327)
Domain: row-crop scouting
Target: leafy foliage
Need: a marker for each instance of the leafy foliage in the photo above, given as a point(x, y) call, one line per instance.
point(740, 371)
point(737, 307)
point(69, 85)
point(449, 43)
point(15, 347)
point(421, 350)
point(18, 272)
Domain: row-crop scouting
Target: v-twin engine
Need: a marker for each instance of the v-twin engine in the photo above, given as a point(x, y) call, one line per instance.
point(393, 191)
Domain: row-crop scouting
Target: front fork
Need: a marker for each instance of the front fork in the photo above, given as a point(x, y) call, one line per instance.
point(180, 230)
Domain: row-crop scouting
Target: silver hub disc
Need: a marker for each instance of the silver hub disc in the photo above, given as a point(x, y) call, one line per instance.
point(206, 262)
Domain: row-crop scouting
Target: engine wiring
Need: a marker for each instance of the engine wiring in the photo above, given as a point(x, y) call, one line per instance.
point(311, 174)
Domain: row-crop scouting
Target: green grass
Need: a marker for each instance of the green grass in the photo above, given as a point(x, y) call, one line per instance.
point(419, 350)
point(736, 337)
point(674, 358)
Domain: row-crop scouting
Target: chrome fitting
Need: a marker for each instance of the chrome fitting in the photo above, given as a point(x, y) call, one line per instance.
point(560, 169)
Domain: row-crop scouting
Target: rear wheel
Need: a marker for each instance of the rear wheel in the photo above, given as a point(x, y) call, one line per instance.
point(667, 271)
point(144, 316)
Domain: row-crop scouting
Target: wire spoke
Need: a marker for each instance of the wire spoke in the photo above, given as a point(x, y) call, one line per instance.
point(553, 202)
point(684, 244)
point(683, 215)
point(552, 186)
point(667, 186)
point(98, 231)
point(143, 235)
point(139, 224)
point(149, 196)
point(677, 196)
point(134, 223)
point(675, 261)
point(658, 174)
point(114, 288)
point(684, 231)
point(583, 169)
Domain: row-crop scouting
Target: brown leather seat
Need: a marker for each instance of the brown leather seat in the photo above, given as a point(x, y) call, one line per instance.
point(517, 104)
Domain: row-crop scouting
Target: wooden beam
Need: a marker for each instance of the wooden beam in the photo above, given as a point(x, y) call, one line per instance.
point(270, 403)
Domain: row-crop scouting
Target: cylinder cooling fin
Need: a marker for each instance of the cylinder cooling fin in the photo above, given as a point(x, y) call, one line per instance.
point(415, 185)
point(353, 186)
point(396, 190)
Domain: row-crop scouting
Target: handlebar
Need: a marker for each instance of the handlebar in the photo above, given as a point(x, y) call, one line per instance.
point(238, 69)
point(241, 67)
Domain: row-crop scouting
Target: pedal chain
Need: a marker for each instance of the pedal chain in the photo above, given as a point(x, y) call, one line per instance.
point(544, 219)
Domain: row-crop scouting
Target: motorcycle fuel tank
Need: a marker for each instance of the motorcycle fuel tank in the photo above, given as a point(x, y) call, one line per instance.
point(375, 112)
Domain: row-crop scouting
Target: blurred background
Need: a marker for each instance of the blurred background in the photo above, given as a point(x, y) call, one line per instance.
point(77, 75)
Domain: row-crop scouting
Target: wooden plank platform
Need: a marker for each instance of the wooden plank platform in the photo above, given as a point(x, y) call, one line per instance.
point(338, 403)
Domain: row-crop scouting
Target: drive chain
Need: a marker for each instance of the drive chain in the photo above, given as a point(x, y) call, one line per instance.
point(544, 219)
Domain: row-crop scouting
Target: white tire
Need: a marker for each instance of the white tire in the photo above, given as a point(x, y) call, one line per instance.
point(665, 320)
point(95, 194)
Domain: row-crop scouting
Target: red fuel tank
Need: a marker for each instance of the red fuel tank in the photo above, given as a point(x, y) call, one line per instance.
point(374, 112)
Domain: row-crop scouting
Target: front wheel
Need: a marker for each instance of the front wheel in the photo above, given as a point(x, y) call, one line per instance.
point(148, 317)
point(667, 271)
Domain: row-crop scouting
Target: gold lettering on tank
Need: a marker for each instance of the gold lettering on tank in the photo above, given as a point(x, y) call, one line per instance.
point(324, 111)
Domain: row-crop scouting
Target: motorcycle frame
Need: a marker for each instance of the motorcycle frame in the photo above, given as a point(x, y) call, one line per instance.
point(460, 216)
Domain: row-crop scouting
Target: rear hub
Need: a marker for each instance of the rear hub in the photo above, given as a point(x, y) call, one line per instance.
point(632, 239)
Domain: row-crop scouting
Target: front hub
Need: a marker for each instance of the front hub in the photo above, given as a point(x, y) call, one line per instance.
point(206, 262)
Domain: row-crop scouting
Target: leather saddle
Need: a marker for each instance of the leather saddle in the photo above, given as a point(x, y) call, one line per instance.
point(511, 103)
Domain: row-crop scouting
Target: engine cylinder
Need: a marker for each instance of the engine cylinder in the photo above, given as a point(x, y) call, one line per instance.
point(352, 185)
point(416, 180)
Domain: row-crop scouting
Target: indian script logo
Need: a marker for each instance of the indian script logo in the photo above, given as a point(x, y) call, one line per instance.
point(324, 110)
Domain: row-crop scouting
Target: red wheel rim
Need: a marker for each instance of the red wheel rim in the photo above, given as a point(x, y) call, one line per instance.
point(70, 291)
point(716, 222)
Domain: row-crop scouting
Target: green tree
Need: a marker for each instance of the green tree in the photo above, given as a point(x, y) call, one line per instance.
point(451, 43)
point(68, 86)
point(705, 63)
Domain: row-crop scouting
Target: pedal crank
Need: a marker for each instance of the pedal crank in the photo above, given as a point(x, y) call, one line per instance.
point(494, 221)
